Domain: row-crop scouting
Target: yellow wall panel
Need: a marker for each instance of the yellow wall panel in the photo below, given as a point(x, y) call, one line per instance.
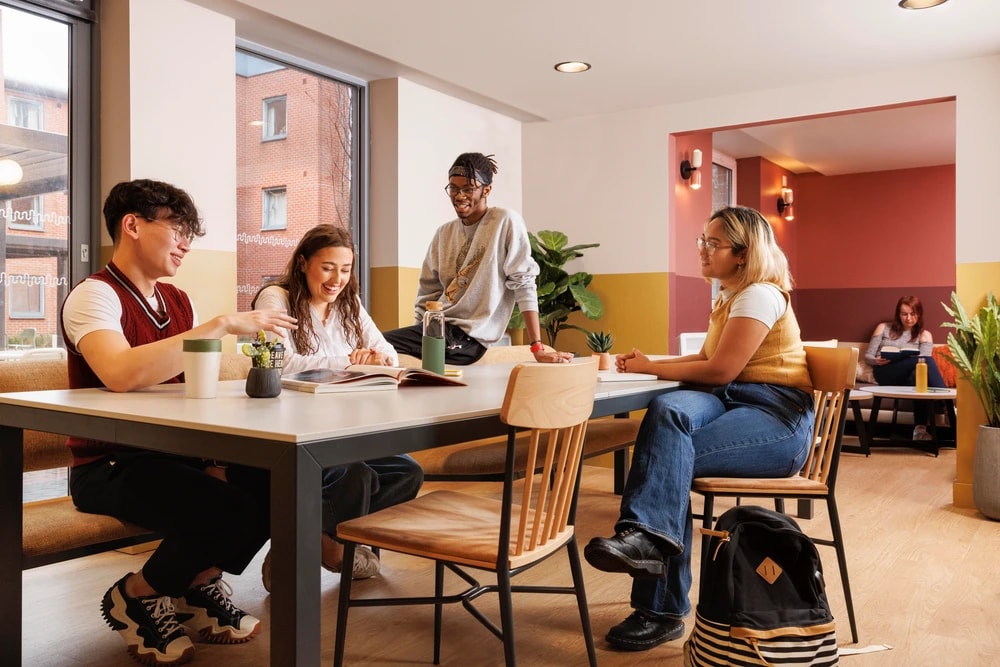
point(393, 291)
point(973, 282)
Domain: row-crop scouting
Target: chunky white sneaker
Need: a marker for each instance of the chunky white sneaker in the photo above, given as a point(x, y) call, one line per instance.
point(366, 566)
point(920, 433)
point(148, 625)
point(208, 610)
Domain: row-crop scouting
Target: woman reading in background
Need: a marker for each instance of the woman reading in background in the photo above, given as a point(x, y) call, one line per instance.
point(906, 329)
point(750, 415)
point(335, 331)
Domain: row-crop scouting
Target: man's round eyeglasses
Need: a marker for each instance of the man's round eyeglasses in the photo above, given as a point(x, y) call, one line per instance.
point(467, 191)
point(176, 229)
point(710, 246)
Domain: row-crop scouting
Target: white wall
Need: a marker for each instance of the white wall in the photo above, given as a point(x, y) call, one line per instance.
point(182, 83)
point(431, 129)
point(621, 161)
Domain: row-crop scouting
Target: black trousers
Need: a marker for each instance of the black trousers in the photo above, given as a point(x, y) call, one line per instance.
point(205, 522)
point(357, 489)
point(903, 373)
point(460, 349)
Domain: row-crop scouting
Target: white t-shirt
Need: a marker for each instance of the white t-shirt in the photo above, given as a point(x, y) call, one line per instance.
point(93, 305)
point(333, 350)
point(763, 302)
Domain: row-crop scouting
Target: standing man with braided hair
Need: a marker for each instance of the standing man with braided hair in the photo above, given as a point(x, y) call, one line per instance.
point(478, 265)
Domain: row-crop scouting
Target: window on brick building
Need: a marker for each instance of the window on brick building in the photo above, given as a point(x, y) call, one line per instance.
point(26, 297)
point(25, 113)
point(24, 213)
point(276, 118)
point(312, 175)
point(275, 209)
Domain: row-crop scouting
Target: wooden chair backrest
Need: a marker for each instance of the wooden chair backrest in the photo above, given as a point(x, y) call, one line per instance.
point(554, 402)
point(832, 370)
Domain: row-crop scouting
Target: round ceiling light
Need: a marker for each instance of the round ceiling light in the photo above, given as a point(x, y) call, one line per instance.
point(920, 4)
point(572, 67)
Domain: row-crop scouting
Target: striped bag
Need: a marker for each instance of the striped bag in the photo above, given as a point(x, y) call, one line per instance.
point(762, 599)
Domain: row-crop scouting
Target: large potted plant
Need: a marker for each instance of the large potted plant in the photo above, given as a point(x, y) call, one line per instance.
point(559, 292)
point(974, 348)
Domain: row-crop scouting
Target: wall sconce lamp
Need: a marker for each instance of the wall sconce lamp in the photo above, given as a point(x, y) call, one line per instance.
point(10, 172)
point(785, 200)
point(689, 170)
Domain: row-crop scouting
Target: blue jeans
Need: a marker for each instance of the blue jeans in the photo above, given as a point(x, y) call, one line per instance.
point(741, 429)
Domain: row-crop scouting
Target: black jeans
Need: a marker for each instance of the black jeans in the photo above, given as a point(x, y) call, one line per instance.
point(357, 489)
point(460, 349)
point(902, 373)
point(204, 521)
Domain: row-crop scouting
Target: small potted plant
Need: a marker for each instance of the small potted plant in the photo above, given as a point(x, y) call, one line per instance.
point(974, 349)
point(266, 356)
point(600, 343)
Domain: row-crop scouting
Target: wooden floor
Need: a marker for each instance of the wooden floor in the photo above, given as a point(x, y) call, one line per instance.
point(925, 575)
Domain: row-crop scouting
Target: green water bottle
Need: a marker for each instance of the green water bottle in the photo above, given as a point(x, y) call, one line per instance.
point(432, 344)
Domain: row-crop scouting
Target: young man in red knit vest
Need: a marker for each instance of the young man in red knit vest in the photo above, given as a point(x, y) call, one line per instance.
point(124, 330)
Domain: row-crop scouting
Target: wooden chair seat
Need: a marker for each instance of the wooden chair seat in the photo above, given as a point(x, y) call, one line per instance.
point(446, 525)
point(484, 459)
point(797, 485)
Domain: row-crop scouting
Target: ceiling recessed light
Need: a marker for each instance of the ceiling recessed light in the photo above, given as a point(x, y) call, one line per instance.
point(920, 4)
point(572, 66)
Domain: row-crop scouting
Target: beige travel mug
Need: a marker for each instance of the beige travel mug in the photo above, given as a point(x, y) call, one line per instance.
point(202, 357)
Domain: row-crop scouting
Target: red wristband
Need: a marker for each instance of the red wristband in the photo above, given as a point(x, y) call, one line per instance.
point(536, 346)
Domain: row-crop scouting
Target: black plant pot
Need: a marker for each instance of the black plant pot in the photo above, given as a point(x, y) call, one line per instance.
point(263, 382)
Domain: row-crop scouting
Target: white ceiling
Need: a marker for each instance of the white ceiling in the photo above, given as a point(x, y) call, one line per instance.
point(648, 53)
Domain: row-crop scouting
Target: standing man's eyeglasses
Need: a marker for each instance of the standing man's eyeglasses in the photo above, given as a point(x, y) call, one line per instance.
point(454, 190)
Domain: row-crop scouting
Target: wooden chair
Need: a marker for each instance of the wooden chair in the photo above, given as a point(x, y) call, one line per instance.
point(460, 531)
point(832, 371)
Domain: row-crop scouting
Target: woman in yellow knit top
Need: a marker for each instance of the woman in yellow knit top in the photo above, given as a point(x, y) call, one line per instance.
point(751, 415)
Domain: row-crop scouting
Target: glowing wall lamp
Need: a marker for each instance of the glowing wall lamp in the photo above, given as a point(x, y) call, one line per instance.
point(689, 170)
point(785, 200)
point(10, 172)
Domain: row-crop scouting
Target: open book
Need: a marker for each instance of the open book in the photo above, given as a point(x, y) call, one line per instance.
point(362, 378)
point(894, 353)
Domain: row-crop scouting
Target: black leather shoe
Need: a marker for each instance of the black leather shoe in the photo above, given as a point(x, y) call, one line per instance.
point(631, 551)
point(641, 633)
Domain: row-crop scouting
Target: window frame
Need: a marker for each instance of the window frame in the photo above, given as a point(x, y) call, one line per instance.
point(35, 105)
point(265, 195)
point(266, 129)
point(37, 282)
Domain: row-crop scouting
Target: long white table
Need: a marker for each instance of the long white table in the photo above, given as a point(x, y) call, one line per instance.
point(295, 436)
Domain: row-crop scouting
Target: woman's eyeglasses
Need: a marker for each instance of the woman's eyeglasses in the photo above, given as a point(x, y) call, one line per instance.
point(710, 246)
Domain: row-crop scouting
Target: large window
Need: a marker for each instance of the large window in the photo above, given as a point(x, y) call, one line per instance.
point(310, 176)
point(45, 162)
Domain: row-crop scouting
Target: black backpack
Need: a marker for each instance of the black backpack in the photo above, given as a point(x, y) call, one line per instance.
point(762, 598)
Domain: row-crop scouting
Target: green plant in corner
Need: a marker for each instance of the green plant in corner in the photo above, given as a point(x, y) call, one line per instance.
point(974, 348)
point(600, 341)
point(559, 292)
